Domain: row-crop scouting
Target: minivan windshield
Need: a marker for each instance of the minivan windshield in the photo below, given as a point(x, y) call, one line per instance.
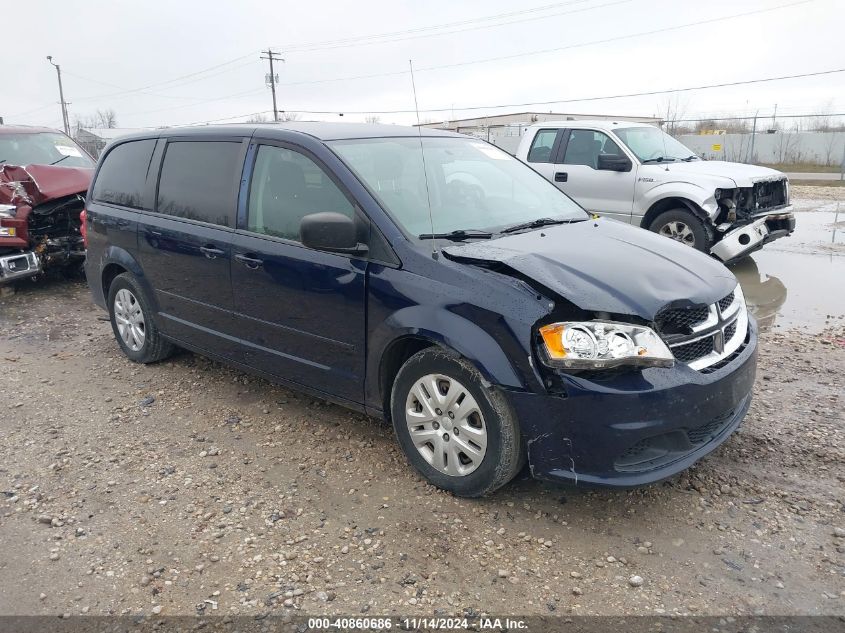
point(471, 185)
point(42, 148)
point(651, 144)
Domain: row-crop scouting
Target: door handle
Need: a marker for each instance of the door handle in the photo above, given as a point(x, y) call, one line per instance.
point(252, 263)
point(212, 252)
point(561, 176)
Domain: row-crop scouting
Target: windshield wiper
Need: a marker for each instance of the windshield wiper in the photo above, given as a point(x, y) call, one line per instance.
point(689, 158)
point(55, 162)
point(458, 235)
point(659, 159)
point(536, 224)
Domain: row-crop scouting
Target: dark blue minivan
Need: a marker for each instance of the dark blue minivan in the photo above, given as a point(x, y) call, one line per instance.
point(430, 279)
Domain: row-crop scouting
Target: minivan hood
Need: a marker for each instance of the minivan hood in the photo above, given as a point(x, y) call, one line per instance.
point(742, 175)
point(602, 265)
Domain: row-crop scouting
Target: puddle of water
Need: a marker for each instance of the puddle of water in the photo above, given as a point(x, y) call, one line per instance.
point(799, 281)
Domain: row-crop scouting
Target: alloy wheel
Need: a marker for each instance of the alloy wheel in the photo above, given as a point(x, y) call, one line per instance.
point(678, 231)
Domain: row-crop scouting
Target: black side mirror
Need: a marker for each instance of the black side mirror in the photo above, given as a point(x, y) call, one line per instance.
point(332, 232)
point(612, 162)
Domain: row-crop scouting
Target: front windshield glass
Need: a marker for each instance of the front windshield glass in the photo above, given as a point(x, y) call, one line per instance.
point(472, 185)
point(42, 148)
point(651, 143)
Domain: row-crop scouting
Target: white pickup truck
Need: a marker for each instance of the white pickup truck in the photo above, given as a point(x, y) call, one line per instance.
point(637, 173)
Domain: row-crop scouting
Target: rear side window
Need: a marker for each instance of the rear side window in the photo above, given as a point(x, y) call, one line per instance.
point(123, 175)
point(541, 148)
point(199, 181)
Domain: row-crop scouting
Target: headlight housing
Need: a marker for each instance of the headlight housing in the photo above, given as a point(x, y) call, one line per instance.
point(602, 345)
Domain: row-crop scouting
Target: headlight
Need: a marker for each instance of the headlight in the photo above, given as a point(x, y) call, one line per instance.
point(602, 344)
point(7, 231)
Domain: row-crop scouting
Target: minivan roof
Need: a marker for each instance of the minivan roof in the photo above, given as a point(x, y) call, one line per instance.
point(318, 129)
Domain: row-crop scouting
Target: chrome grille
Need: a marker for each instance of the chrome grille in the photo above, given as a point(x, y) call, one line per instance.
point(705, 336)
point(725, 303)
point(689, 352)
point(681, 320)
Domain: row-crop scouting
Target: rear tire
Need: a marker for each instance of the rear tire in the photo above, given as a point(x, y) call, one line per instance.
point(473, 445)
point(133, 323)
point(683, 226)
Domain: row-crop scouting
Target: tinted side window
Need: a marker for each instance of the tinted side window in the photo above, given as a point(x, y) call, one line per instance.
point(541, 148)
point(585, 146)
point(199, 181)
point(286, 186)
point(123, 175)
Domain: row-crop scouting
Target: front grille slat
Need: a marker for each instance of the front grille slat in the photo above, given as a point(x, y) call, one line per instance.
point(693, 351)
point(680, 324)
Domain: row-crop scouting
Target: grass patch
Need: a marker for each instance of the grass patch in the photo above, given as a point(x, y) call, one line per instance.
point(818, 183)
point(803, 168)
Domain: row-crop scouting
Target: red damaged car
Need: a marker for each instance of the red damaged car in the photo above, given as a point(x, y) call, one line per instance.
point(44, 176)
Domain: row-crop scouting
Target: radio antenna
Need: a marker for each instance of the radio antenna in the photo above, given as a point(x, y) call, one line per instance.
point(422, 155)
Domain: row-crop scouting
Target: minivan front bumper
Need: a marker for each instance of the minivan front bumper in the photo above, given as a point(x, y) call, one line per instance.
point(635, 428)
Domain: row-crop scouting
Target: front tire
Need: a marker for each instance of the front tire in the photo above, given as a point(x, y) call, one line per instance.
point(685, 227)
point(133, 324)
point(458, 434)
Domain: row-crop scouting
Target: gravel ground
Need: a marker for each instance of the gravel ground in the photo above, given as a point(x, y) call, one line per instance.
point(816, 193)
point(188, 487)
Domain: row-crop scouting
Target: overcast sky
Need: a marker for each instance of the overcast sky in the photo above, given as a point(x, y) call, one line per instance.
point(151, 62)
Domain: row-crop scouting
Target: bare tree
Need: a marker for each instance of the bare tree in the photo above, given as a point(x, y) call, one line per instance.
point(257, 118)
point(100, 119)
point(675, 108)
point(288, 116)
point(372, 118)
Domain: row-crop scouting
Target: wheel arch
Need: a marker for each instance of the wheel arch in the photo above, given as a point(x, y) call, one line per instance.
point(391, 347)
point(117, 261)
point(673, 202)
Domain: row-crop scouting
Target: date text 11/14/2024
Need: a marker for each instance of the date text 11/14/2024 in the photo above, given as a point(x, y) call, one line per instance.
point(415, 624)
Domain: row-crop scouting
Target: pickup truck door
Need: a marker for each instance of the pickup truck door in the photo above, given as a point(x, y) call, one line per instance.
point(576, 172)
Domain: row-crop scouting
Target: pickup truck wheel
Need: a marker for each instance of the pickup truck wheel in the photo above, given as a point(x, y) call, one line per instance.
point(133, 324)
point(685, 227)
point(458, 434)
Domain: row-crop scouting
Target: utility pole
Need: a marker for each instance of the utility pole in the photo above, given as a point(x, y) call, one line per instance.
point(273, 57)
point(774, 115)
point(65, 120)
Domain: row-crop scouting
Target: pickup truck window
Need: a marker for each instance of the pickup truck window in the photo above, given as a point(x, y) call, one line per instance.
point(585, 146)
point(286, 186)
point(541, 147)
point(649, 143)
point(466, 184)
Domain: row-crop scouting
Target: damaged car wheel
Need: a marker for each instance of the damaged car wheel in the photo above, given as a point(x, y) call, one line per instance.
point(459, 434)
point(133, 324)
point(684, 227)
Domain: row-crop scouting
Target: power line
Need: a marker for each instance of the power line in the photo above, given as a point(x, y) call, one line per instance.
point(461, 30)
point(749, 118)
point(432, 27)
point(175, 79)
point(552, 50)
point(618, 38)
point(584, 99)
